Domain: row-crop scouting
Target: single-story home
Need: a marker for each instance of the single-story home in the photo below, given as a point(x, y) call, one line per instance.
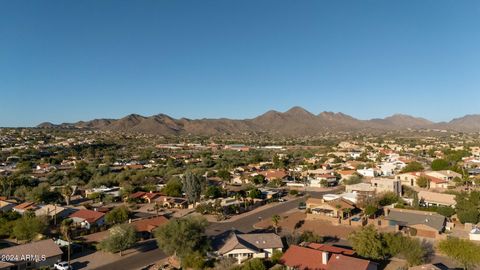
point(145, 227)
point(250, 245)
point(417, 223)
point(324, 257)
point(337, 208)
point(26, 206)
point(172, 202)
point(35, 255)
point(429, 198)
point(86, 218)
point(52, 211)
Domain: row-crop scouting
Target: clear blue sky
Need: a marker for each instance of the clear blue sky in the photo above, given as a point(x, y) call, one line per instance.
point(64, 61)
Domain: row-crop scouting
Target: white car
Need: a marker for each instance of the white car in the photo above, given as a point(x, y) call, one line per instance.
point(62, 266)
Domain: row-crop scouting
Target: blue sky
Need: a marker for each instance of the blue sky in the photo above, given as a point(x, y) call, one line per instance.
point(64, 61)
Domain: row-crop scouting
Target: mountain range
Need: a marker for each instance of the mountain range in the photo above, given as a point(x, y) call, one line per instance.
point(294, 122)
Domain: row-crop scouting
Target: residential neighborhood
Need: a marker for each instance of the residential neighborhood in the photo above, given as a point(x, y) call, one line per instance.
point(289, 202)
point(239, 135)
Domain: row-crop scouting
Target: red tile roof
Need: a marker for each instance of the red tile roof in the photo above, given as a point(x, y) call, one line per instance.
point(274, 174)
point(25, 206)
point(88, 215)
point(339, 262)
point(137, 195)
point(303, 258)
point(331, 249)
point(150, 224)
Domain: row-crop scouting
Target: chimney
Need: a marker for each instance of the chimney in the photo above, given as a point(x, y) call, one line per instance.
point(325, 256)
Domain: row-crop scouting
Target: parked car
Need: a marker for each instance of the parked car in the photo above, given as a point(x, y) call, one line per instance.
point(62, 266)
point(302, 206)
point(282, 200)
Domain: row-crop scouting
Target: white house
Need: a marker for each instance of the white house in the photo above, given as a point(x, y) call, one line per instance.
point(370, 172)
point(86, 218)
point(251, 245)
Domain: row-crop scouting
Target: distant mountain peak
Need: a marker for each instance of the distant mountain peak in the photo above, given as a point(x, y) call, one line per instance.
point(295, 122)
point(298, 111)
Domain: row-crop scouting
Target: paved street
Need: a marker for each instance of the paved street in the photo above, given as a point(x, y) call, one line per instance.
point(149, 253)
point(246, 223)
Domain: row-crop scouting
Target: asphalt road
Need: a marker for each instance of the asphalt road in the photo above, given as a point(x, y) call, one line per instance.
point(151, 253)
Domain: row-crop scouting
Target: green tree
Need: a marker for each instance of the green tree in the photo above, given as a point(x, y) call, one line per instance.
point(445, 211)
point(193, 185)
point(195, 260)
point(467, 207)
point(388, 198)
point(213, 192)
point(120, 238)
point(370, 210)
point(423, 181)
point(224, 175)
point(258, 179)
point(182, 237)
point(276, 256)
point(368, 243)
point(254, 264)
point(413, 166)
point(28, 227)
point(352, 180)
point(255, 193)
point(463, 251)
point(173, 188)
point(440, 164)
point(310, 237)
point(117, 215)
point(409, 248)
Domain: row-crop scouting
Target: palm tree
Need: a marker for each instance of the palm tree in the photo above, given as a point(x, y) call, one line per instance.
point(67, 193)
point(65, 229)
point(348, 211)
point(156, 207)
point(275, 221)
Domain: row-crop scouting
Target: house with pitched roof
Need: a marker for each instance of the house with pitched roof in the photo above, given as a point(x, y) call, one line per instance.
point(145, 227)
point(429, 198)
point(86, 218)
point(337, 208)
point(35, 255)
point(323, 257)
point(53, 211)
point(250, 245)
point(416, 223)
point(24, 207)
point(435, 179)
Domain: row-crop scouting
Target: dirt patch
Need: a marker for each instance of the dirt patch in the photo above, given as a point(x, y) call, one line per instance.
point(295, 221)
point(288, 222)
point(325, 228)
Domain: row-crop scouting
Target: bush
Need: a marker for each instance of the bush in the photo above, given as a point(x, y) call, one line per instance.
point(440, 164)
point(413, 167)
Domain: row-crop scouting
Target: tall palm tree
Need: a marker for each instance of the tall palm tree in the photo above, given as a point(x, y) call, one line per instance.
point(66, 230)
point(275, 221)
point(67, 193)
